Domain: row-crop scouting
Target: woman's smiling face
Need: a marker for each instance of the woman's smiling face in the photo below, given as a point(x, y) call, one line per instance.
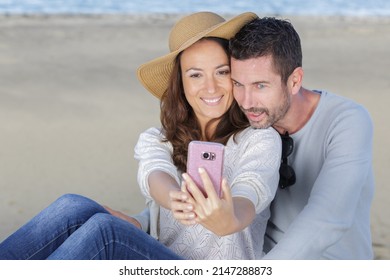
point(207, 85)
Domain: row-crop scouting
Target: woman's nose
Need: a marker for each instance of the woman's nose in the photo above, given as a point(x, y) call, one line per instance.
point(211, 86)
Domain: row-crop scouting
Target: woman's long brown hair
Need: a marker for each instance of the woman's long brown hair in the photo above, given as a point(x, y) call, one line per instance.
point(180, 124)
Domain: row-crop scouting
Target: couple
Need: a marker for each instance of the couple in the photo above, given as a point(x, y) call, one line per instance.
point(320, 211)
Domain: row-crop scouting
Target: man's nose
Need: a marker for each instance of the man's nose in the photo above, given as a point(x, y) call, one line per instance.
point(245, 99)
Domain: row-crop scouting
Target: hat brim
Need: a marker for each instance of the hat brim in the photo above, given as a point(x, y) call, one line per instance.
point(155, 74)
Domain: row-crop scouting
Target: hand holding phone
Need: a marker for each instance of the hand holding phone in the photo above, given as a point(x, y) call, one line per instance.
point(209, 156)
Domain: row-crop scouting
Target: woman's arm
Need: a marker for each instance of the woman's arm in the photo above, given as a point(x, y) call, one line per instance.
point(160, 185)
point(154, 158)
point(157, 175)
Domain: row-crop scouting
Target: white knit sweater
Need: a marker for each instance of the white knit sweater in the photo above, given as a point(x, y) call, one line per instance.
point(251, 167)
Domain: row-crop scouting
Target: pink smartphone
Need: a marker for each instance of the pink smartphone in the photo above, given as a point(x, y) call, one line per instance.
point(208, 155)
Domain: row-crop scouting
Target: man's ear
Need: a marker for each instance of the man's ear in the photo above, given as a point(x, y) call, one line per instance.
point(295, 80)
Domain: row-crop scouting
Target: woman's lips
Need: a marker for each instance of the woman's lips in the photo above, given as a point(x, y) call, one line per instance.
point(212, 101)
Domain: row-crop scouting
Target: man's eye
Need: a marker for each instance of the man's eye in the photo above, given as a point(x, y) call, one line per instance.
point(260, 86)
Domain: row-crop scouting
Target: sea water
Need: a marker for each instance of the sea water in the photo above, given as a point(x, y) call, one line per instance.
point(261, 7)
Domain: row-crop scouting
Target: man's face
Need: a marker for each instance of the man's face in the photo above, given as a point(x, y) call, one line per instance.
point(259, 91)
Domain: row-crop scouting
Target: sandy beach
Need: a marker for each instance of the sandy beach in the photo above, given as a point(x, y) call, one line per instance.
point(71, 108)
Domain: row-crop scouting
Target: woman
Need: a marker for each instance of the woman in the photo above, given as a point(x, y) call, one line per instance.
point(197, 104)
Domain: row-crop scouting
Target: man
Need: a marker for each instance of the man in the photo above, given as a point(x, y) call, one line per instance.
point(322, 210)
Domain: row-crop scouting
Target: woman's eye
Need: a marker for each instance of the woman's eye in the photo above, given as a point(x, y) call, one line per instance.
point(224, 72)
point(195, 75)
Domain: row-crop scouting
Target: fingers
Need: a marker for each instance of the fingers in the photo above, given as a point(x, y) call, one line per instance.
point(209, 190)
point(185, 217)
point(181, 206)
point(208, 184)
point(194, 190)
point(176, 195)
point(209, 210)
point(184, 189)
point(226, 191)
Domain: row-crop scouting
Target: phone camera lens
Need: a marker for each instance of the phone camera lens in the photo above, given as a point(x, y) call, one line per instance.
point(208, 156)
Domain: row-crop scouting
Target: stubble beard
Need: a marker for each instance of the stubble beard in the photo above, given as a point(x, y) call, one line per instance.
point(272, 117)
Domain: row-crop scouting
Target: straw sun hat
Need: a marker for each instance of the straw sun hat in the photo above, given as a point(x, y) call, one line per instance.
point(154, 75)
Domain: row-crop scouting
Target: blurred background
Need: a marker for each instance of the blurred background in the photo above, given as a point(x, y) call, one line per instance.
point(71, 108)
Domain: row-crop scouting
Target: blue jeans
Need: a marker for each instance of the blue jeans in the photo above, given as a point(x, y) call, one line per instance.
point(77, 228)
